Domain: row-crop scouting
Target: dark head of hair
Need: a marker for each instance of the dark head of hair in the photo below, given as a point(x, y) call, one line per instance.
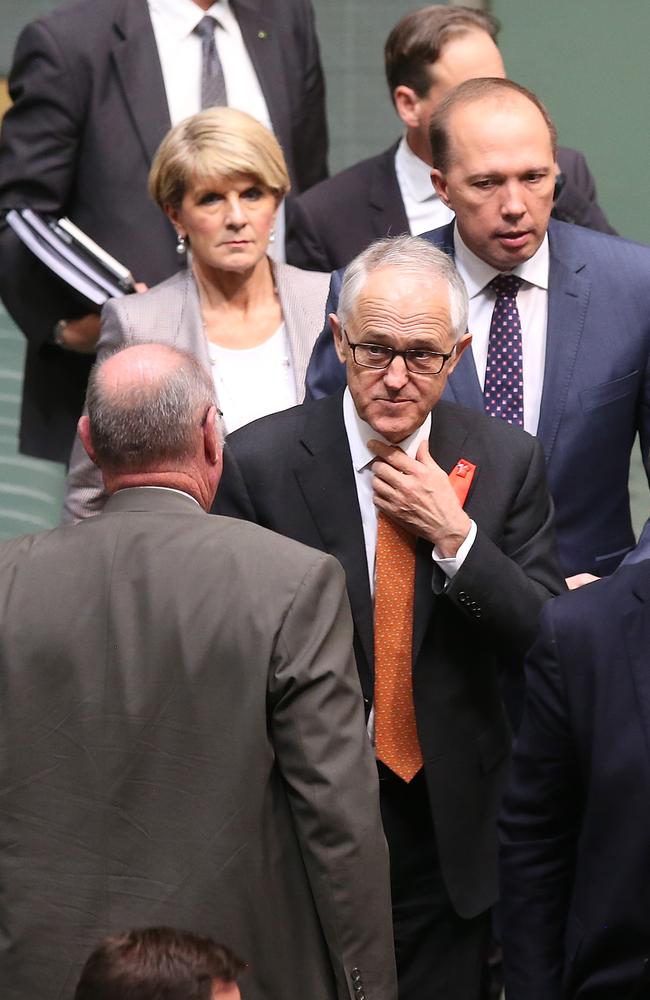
point(470, 92)
point(152, 417)
point(157, 963)
point(417, 40)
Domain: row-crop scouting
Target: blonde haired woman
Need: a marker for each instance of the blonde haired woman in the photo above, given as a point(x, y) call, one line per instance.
point(220, 177)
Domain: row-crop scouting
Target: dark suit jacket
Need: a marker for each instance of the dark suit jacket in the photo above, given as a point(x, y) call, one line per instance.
point(596, 393)
point(575, 828)
point(337, 219)
point(292, 472)
point(165, 757)
point(89, 113)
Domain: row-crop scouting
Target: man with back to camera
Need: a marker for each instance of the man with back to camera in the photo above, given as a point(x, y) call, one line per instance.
point(427, 53)
point(445, 577)
point(581, 304)
point(96, 85)
point(160, 963)
point(182, 727)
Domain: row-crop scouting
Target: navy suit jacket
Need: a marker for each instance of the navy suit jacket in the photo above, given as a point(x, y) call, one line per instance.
point(596, 392)
point(575, 826)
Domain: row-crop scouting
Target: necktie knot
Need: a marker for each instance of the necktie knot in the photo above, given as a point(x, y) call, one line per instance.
point(506, 285)
point(205, 28)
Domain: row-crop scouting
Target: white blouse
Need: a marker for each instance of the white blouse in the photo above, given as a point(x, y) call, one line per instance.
point(253, 381)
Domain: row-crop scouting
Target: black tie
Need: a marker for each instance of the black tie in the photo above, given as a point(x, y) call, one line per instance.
point(213, 83)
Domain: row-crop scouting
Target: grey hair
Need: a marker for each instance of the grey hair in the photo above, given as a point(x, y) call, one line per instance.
point(411, 255)
point(137, 425)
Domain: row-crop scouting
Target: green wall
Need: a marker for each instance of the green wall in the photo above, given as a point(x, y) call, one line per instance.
point(588, 61)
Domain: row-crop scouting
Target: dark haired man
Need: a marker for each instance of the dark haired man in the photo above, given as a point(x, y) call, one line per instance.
point(182, 735)
point(427, 53)
point(160, 963)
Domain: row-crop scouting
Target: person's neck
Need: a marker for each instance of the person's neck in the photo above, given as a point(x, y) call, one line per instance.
point(171, 479)
point(419, 146)
point(236, 290)
point(204, 4)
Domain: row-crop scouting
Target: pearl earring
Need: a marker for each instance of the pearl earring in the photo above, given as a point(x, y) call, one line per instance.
point(272, 235)
point(180, 244)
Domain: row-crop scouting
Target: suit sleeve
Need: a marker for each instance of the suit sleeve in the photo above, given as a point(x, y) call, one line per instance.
point(503, 586)
point(538, 829)
point(40, 141)
point(325, 758)
point(305, 247)
point(577, 200)
point(84, 489)
point(325, 373)
point(310, 135)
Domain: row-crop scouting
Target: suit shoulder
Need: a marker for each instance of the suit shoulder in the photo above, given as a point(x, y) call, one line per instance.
point(345, 187)
point(248, 546)
point(160, 296)
point(600, 247)
point(78, 20)
point(309, 283)
point(499, 433)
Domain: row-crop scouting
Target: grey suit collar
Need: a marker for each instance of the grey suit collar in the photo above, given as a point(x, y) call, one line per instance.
point(153, 500)
point(138, 67)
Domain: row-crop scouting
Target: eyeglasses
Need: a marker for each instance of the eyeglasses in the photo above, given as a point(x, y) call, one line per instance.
point(418, 362)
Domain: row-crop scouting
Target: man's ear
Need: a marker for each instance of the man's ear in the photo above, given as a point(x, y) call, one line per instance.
point(337, 334)
point(83, 430)
point(461, 345)
point(211, 439)
point(439, 181)
point(407, 105)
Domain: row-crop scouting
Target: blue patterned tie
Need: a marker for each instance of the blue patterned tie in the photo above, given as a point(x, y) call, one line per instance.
point(503, 391)
point(213, 83)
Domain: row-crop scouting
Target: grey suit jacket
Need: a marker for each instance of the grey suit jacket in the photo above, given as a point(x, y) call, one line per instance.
point(171, 314)
point(182, 742)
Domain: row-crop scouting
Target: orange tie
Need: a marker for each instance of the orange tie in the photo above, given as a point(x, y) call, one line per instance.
point(396, 738)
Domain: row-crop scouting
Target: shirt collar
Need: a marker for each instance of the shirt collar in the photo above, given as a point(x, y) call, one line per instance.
point(359, 433)
point(182, 16)
point(477, 274)
point(414, 173)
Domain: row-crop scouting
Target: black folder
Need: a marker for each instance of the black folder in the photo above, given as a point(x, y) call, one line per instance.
point(71, 255)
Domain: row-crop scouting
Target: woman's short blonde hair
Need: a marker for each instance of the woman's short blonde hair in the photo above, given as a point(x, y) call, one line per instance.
point(216, 143)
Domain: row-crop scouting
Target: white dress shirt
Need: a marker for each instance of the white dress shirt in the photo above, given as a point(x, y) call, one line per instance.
point(179, 50)
point(424, 209)
point(358, 434)
point(532, 303)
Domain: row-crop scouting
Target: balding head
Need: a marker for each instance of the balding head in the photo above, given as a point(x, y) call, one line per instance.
point(152, 417)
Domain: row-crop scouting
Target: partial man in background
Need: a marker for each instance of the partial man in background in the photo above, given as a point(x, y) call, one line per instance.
point(575, 826)
point(182, 729)
point(446, 579)
point(427, 53)
point(160, 963)
point(559, 315)
point(96, 84)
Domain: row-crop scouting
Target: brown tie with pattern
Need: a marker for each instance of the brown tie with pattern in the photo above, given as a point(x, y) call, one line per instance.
point(396, 738)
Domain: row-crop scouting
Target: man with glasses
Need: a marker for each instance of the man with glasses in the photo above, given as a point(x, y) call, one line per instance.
point(443, 523)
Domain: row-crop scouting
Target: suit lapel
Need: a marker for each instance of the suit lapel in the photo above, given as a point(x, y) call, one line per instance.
point(295, 322)
point(635, 628)
point(388, 214)
point(568, 297)
point(326, 479)
point(463, 385)
point(262, 41)
point(447, 443)
point(138, 68)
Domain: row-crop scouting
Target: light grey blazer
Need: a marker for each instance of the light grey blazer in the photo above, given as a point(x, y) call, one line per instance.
point(170, 313)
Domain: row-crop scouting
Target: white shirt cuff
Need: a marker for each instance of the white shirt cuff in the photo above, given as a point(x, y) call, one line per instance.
point(451, 564)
